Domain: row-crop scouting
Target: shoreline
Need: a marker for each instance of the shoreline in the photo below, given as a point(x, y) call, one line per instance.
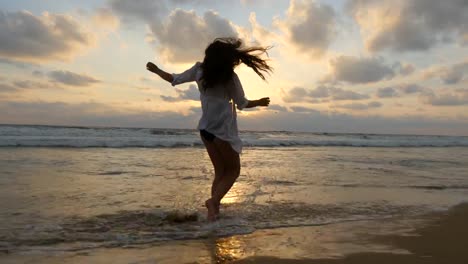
point(439, 237)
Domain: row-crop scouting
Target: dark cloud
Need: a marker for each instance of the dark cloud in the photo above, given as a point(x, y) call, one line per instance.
point(311, 26)
point(450, 74)
point(359, 70)
point(387, 92)
point(185, 35)
point(191, 93)
point(36, 38)
point(146, 10)
point(411, 88)
point(361, 106)
point(18, 64)
point(401, 90)
point(149, 11)
point(71, 78)
point(415, 25)
point(455, 74)
point(299, 94)
point(446, 98)
point(182, 36)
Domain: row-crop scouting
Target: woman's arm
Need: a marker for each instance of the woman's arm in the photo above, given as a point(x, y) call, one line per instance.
point(155, 69)
point(265, 101)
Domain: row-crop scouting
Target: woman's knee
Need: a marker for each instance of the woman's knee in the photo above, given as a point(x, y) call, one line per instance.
point(234, 169)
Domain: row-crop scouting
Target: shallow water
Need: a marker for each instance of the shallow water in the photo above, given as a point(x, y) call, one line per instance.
point(66, 199)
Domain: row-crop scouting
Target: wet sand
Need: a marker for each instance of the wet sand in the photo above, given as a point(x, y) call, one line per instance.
point(442, 239)
point(436, 238)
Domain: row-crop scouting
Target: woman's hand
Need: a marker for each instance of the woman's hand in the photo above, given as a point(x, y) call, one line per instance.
point(151, 67)
point(155, 69)
point(265, 101)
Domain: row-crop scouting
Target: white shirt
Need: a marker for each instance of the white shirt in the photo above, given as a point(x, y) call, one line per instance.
point(218, 112)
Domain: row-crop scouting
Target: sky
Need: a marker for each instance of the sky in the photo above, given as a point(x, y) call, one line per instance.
point(346, 66)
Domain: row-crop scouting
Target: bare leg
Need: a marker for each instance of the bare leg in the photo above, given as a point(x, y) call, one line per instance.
point(231, 170)
point(218, 164)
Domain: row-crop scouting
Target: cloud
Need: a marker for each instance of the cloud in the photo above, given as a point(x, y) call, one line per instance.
point(310, 26)
point(37, 73)
point(185, 35)
point(105, 18)
point(71, 78)
point(182, 36)
point(248, 2)
point(147, 10)
point(387, 92)
point(21, 85)
point(446, 98)
point(455, 74)
point(416, 25)
point(27, 84)
point(357, 70)
point(360, 106)
point(17, 64)
point(411, 88)
point(452, 74)
point(401, 89)
point(341, 94)
point(191, 93)
point(90, 114)
point(406, 69)
point(98, 114)
point(39, 38)
point(299, 94)
point(276, 107)
point(7, 88)
point(302, 109)
point(334, 122)
point(259, 34)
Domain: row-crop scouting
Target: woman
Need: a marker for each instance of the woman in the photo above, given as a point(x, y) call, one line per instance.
point(219, 85)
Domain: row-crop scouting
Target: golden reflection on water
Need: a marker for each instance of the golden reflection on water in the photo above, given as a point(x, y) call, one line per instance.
point(233, 196)
point(226, 249)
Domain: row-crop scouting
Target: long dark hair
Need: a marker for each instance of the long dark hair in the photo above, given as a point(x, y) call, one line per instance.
point(224, 54)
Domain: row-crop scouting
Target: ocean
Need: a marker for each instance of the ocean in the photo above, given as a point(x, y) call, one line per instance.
point(68, 189)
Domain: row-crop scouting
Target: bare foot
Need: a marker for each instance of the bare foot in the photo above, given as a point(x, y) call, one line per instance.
point(211, 206)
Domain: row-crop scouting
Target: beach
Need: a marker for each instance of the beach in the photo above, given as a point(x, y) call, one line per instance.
point(101, 195)
point(435, 238)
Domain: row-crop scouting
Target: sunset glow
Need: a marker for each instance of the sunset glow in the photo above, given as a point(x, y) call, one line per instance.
point(339, 66)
